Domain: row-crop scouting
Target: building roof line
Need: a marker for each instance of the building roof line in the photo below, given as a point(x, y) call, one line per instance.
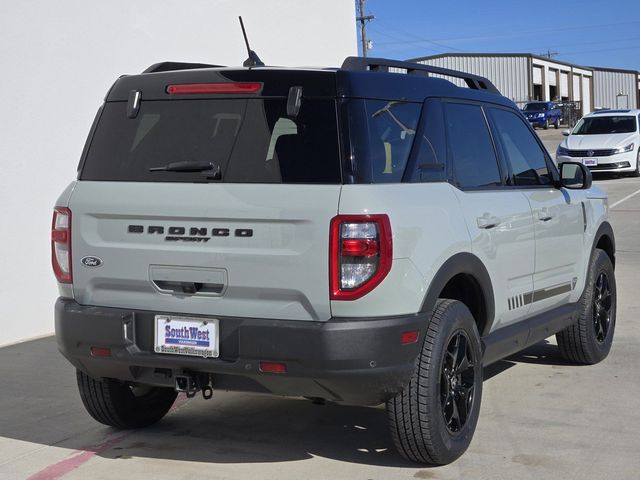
point(523, 55)
point(619, 70)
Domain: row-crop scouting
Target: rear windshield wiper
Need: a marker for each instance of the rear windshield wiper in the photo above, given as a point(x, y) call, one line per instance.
point(208, 169)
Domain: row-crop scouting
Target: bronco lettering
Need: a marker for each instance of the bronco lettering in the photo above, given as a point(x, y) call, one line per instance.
point(196, 234)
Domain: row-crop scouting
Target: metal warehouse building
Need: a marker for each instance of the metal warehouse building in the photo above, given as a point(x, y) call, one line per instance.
point(614, 88)
point(523, 77)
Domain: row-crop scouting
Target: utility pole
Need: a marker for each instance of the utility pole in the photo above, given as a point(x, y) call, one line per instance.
point(363, 19)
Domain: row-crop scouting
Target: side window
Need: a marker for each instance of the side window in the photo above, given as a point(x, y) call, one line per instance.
point(470, 147)
point(391, 131)
point(381, 134)
point(520, 149)
point(430, 146)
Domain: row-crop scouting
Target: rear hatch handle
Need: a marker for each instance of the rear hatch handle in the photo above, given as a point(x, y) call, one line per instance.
point(189, 288)
point(188, 281)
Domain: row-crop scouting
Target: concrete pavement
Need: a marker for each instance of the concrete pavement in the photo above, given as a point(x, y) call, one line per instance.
point(540, 417)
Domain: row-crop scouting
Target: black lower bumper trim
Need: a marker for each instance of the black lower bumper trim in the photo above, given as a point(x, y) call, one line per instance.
point(355, 361)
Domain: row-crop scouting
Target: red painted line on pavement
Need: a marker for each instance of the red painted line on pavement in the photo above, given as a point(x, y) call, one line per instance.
point(76, 459)
point(82, 456)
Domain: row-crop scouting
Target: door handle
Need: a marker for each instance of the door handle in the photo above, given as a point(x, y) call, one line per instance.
point(487, 221)
point(544, 215)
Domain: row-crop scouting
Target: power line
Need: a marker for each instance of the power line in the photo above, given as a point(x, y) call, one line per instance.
point(507, 35)
point(417, 39)
point(549, 54)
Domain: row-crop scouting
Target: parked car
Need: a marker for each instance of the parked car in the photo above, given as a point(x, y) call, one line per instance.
point(543, 114)
point(347, 234)
point(604, 141)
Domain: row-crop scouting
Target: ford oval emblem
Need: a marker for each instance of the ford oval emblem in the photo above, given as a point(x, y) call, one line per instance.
point(91, 261)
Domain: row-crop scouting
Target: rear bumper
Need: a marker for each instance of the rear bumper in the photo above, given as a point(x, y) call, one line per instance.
point(355, 361)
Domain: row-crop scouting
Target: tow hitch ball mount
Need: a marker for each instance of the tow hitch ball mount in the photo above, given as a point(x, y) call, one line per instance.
point(191, 384)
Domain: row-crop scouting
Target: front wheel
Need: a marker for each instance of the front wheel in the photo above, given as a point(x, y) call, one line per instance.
point(636, 172)
point(433, 419)
point(545, 125)
point(588, 341)
point(123, 406)
point(556, 124)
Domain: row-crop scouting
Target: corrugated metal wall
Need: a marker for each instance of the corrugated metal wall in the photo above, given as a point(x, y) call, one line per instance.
point(608, 84)
point(509, 74)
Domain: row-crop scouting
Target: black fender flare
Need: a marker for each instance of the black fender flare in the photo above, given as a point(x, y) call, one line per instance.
point(605, 228)
point(469, 264)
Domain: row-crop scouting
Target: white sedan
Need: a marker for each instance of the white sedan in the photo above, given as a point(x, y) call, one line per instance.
point(604, 141)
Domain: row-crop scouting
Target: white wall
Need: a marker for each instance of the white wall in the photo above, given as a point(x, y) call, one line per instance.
point(57, 61)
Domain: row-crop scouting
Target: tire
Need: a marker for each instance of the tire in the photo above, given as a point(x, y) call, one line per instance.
point(119, 405)
point(556, 124)
point(588, 341)
point(422, 417)
point(636, 172)
point(546, 124)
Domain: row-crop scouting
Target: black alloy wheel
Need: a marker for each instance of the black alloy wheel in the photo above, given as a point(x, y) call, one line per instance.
point(589, 339)
point(602, 302)
point(433, 419)
point(457, 382)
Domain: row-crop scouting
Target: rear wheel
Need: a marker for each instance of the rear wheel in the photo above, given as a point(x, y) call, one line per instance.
point(589, 340)
point(122, 406)
point(433, 419)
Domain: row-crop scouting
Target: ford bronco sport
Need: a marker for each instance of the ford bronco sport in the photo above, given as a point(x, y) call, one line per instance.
point(365, 234)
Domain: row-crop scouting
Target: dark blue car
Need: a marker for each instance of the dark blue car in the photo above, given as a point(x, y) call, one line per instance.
point(543, 114)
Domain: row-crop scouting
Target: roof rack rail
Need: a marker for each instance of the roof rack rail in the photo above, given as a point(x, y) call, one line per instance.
point(169, 66)
point(475, 82)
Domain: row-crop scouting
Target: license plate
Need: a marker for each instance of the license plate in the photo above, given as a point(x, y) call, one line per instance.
point(590, 162)
point(196, 337)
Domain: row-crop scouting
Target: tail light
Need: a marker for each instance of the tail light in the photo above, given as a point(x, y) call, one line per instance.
point(273, 367)
point(360, 253)
point(61, 244)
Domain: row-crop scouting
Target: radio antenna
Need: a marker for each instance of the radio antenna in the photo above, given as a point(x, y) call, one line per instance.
point(253, 60)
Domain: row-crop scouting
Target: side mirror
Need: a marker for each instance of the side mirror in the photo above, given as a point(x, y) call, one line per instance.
point(575, 176)
point(566, 133)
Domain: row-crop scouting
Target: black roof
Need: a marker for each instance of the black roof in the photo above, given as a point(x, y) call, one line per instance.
point(357, 78)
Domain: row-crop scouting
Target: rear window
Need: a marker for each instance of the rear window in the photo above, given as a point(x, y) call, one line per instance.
point(251, 140)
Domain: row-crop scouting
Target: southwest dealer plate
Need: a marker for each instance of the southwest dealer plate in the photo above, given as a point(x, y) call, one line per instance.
point(590, 162)
point(196, 337)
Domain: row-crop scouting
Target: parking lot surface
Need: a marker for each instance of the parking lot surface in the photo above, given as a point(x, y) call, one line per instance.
point(540, 417)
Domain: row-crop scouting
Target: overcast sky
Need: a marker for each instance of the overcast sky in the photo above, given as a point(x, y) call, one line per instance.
point(585, 32)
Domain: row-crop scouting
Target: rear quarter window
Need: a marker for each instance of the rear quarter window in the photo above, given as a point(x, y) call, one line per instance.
point(381, 134)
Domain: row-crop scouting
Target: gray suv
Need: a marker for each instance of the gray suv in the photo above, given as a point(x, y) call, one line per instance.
point(363, 235)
